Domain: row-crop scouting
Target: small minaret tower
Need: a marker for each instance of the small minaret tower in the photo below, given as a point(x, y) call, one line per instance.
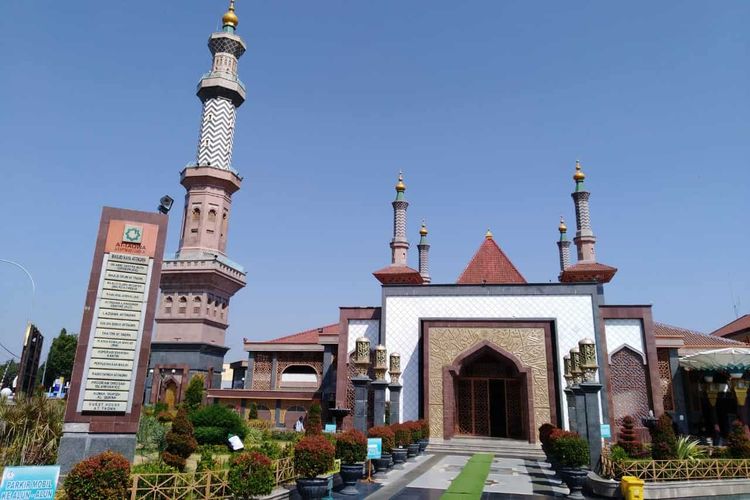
point(399, 271)
point(587, 269)
point(199, 281)
point(584, 238)
point(424, 254)
point(563, 244)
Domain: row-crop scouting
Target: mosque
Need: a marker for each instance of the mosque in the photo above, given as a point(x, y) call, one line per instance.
point(487, 355)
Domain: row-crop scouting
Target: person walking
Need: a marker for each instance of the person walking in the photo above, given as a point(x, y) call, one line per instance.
point(299, 426)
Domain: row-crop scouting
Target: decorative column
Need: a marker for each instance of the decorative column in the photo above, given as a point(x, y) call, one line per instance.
point(584, 238)
point(395, 387)
point(569, 396)
point(578, 394)
point(250, 370)
point(399, 243)
point(362, 362)
point(563, 246)
point(424, 251)
point(379, 385)
point(591, 388)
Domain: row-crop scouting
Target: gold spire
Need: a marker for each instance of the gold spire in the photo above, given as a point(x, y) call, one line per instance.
point(488, 234)
point(579, 176)
point(230, 18)
point(400, 186)
point(563, 228)
point(423, 229)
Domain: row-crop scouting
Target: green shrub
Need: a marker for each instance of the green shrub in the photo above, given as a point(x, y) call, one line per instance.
point(628, 439)
point(544, 432)
point(252, 413)
point(568, 449)
point(180, 441)
point(251, 475)
point(313, 424)
point(164, 416)
point(663, 440)
point(151, 433)
point(401, 435)
point(424, 426)
point(153, 467)
point(256, 423)
point(271, 449)
point(738, 442)
point(351, 447)
point(160, 407)
point(386, 434)
point(254, 436)
point(313, 456)
point(206, 462)
point(101, 477)
point(283, 435)
point(415, 430)
point(617, 453)
point(217, 417)
point(688, 449)
point(194, 392)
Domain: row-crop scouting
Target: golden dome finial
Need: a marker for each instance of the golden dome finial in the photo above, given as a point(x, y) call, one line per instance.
point(423, 229)
point(230, 18)
point(488, 234)
point(562, 227)
point(579, 176)
point(400, 186)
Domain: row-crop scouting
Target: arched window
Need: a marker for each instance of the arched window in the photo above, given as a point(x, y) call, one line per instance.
point(195, 219)
point(299, 376)
point(196, 305)
point(182, 308)
point(168, 305)
point(212, 215)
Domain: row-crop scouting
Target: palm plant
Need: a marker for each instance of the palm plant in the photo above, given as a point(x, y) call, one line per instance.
point(30, 429)
point(687, 449)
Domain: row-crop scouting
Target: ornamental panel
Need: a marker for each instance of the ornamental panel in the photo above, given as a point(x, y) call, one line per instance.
point(629, 385)
point(665, 378)
point(262, 368)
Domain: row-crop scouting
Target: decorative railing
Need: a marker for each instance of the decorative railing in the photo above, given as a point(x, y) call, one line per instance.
point(677, 470)
point(197, 485)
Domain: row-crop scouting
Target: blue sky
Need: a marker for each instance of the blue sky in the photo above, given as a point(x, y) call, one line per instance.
point(485, 105)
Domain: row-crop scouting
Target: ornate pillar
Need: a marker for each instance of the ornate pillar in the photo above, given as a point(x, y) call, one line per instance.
point(590, 388)
point(362, 361)
point(569, 395)
point(379, 385)
point(250, 370)
point(395, 388)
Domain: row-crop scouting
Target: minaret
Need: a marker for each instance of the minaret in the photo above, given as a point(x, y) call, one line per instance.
point(563, 244)
point(399, 243)
point(198, 283)
point(424, 253)
point(584, 238)
point(399, 271)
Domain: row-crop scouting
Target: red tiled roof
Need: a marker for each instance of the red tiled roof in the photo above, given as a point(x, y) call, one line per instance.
point(587, 272)
point(738, 325)
point(490, 266)
point(691, 337)
point(398, 275)
point(308, 336)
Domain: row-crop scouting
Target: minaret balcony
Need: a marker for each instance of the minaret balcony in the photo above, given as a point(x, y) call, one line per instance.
point(212, 273)
point(221, 84)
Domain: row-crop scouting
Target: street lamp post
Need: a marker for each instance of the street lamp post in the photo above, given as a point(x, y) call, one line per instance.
point(31, 310)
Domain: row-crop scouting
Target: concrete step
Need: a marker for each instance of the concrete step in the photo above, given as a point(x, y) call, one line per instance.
point(500, 447)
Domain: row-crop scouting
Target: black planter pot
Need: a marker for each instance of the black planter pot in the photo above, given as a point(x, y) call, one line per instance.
point(412, 450)
point(423, 445)
point(399, 457)
point(310, 489)
point(574, 478)
point(382, 463)
point(350, 474)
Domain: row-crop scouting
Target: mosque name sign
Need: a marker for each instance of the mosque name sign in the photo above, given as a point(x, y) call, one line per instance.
point(115, 334)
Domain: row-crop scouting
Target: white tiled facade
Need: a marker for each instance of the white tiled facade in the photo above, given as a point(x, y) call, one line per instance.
point(574, 316)
point(369, 328)
point(624, 332)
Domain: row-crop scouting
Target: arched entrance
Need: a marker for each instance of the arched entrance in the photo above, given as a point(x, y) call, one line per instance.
point(170, 394)
point(491, 393)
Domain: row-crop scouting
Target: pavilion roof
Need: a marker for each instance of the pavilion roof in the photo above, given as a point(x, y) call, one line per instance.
point(490, 266)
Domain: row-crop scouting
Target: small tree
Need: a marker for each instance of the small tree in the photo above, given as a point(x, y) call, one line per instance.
point(313, 456)
point(386, 434)
point(663, 440)
point(738, 441)
point(180, 441)
point(250, 475)
point(628, 438)
point(252, 413)
point(351, 447)
point(101, 477)
point(313, 425)
point(194, 392)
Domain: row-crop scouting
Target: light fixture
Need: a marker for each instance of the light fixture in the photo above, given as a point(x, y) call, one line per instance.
point(362, 356)
point(588, 366)
point(165, 204)
point(381, 362)
point(395, 367)
point(567, 375)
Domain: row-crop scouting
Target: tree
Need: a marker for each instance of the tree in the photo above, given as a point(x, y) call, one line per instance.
point(194, 393)
point(180, 441)
point(628, 439)
point(62, 354)
point(313, 425)
point(8, 372)
point(663, 440)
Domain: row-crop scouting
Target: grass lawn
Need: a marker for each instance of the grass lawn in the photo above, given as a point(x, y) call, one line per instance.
point(470, 482)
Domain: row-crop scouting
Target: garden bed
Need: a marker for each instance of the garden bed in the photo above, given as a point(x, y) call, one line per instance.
point(677, 470)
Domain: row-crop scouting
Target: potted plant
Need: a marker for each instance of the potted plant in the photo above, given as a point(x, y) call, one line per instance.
point(415, 431)
point(313, 457)
point(386, 435)
point(250, 475)
point(402, 439)
point(571, 453)
point(351, 448)
point(425, 426)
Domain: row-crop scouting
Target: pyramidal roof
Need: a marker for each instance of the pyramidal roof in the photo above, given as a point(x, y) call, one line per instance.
point(490, 266)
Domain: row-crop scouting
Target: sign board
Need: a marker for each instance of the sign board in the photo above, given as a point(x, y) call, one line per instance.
point(374, 448)
point(606, 431)
point(330, 428)
point(115, 337)
point(30, 483)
